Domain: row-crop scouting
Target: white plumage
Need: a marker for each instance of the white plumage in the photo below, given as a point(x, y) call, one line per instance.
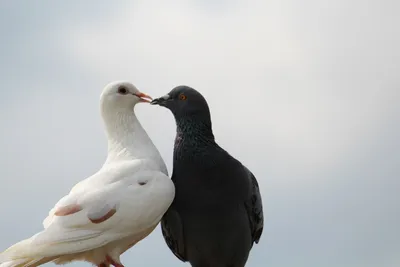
point(107, 213)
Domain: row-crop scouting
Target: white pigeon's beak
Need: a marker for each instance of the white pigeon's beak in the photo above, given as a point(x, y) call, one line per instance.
point(143, 97)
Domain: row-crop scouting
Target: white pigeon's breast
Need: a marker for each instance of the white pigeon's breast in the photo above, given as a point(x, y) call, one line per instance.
point(116, 171)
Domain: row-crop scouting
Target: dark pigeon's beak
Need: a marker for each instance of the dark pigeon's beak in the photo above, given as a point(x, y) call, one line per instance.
point(161, 101)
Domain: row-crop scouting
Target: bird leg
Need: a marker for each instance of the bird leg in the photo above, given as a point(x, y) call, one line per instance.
point(113, 262)
point(103, 265)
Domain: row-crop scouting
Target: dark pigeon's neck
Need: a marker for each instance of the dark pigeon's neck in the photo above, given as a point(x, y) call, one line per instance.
point(194, 142)
point(195, 126)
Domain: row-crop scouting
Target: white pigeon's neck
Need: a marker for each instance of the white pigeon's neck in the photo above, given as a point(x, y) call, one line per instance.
point(127, 139)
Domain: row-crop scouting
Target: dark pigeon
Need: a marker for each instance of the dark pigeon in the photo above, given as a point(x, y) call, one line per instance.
point(217, 212)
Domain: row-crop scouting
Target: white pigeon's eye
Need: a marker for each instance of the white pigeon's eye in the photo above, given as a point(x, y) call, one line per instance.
point(122, 90)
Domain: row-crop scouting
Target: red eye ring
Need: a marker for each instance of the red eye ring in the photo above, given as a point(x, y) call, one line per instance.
point(182, 97)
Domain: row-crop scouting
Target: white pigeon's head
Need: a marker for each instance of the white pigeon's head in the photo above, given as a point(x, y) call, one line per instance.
point(121, 95)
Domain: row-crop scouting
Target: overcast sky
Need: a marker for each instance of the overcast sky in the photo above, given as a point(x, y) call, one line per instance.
point(305, 93)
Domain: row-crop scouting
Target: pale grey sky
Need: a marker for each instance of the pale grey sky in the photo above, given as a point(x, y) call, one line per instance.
point(306, 94)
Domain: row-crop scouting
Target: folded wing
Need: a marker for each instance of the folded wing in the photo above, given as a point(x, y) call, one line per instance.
point(89, 218)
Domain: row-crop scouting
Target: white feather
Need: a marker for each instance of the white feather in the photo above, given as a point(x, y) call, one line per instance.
point(133, 181)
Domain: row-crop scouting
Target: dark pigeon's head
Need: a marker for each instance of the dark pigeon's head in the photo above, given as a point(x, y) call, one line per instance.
point(184, 101)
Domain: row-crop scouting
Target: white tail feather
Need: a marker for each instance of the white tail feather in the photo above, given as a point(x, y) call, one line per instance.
point(18, 255)
point(15, 252)
point(27, 262)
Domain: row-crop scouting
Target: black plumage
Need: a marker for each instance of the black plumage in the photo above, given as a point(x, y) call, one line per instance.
point(217, 212)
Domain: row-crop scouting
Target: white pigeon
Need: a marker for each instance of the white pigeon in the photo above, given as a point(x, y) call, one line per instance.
point(109, 212)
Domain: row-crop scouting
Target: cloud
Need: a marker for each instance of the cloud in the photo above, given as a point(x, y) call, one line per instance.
point(249, 58)
point(305, 94)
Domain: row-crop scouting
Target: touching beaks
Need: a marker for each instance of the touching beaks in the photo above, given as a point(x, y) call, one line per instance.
point(160, 100)
point(143, 97)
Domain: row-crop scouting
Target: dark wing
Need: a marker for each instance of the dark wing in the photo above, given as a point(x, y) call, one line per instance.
point(254, 209)
point(172, 230)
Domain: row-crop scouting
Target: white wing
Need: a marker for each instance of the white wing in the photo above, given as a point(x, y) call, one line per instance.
point(90, 217)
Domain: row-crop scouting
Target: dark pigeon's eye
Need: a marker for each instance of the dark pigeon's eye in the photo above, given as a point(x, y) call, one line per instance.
point(122, 90)
point(182, 97)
